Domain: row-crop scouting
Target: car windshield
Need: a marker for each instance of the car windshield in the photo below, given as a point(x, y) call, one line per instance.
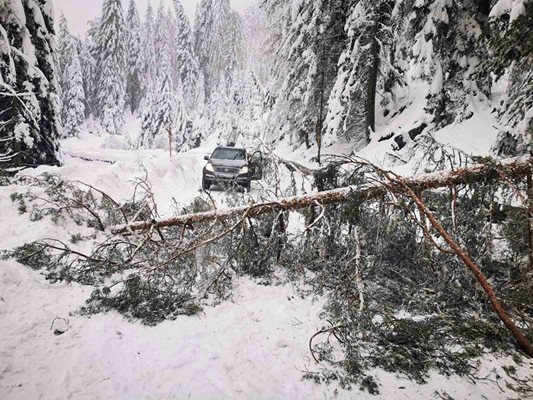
point(229, 154)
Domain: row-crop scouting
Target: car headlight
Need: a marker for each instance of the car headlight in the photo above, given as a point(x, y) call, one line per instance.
point(244, 170)
point(209, 167)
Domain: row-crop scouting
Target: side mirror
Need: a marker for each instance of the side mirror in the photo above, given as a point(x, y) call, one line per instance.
point(206, 158)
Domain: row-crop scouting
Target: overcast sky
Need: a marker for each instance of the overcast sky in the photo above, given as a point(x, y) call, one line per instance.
point(79, 12)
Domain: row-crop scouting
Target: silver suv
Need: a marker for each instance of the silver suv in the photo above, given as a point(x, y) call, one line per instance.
point(232, 165)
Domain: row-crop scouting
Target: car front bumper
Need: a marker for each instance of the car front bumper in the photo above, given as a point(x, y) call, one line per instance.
point(216, 177)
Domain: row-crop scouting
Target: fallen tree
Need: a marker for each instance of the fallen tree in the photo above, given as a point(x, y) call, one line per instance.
point(504, 170)
point(385, 287)
point(519, 336)
point(513, 167)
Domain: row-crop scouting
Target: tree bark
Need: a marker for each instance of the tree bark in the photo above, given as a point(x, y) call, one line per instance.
point(483, 7)
point(320, 118)
point(530, 219)
point(370, 114)
point(520, 166)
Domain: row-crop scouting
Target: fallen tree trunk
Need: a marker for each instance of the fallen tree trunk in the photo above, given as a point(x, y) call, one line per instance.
point(520, 337)
point(514, 167)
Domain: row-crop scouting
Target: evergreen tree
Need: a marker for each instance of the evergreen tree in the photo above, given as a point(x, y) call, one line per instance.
point(133, 57)
point(162, 40)
point(248, 96)
point(352, 104)
point(511, 56)
point(88, 71)
point(247, 104)
point(63, 42)
point(61, 56)
point(72, 94)
point(218, 43)
point(149, 60)
point(306, 67)
point(258, 41)
point(187, 68)
point(159, 116)
point(73, 112)
point(446, 52)
point(28, 85)
point(88, 59)
point(183, 128)
point(110, 59)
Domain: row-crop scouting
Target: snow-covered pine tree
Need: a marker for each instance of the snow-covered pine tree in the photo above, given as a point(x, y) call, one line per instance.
point(110, 58)
point(249, 96)
point(511, 59)
point(71, 94)
point(446, 52)
point(202, 23)
point(258, 51)
point(28, 85)
point(247, 100)
point(182, 127)
point(235, 112)
point(223, 123)
point(88, 71)
point(159, 116)
point(61, 56)
point(188, 77)
point(218, 42)
point(162, 39)
point(305, 68)
point(133, 57)
point(63, 41)
point(228, 27)
point(352, 103)
point(88, 59)
point(73, 112)
point(149, 59)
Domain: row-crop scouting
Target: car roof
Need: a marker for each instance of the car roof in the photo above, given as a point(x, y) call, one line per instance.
point(230, 148)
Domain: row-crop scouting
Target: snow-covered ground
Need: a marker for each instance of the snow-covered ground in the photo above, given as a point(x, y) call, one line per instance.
point(254, 346)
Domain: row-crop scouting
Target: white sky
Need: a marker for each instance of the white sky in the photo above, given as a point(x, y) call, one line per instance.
point(79, 12)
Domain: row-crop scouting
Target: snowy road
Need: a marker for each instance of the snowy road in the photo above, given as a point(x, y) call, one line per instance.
point(253, 347)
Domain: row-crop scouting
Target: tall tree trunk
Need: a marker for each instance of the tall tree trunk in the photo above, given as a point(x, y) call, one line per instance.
point(530, 219)
point(320, 118)
point(484, 7)
point(370, 114)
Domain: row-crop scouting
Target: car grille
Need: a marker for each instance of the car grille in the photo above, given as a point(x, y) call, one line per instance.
point(227, 170)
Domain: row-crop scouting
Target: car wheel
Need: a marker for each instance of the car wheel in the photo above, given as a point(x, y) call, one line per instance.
point(205, 185)
point(248, 186)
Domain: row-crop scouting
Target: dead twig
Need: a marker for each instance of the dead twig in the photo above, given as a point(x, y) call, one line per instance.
point(321, 332)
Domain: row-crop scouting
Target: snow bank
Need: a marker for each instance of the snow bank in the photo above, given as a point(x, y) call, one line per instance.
point(514, 8)
point(474, 134)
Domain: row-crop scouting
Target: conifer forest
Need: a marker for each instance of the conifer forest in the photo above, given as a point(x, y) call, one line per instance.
point(266, 199)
